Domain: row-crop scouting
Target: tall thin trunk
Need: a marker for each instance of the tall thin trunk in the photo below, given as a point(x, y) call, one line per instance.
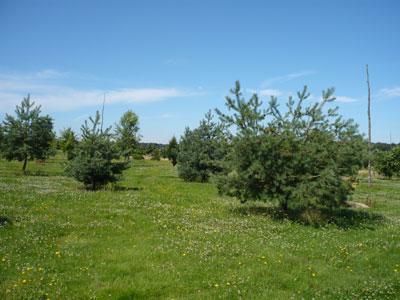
point(25, 163)
point(369, 130)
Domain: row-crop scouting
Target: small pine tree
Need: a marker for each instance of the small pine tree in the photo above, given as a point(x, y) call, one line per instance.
point(172, 151)
point(156, 154)
point(68, 142)
point(126, 134)
point(201, 151)
point(94, 163)
point(28, 135)
point(387, 163)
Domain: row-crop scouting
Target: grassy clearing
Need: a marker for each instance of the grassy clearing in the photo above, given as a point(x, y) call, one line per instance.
point(158, 237)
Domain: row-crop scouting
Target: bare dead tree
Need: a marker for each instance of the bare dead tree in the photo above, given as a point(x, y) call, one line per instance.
point(369, 130)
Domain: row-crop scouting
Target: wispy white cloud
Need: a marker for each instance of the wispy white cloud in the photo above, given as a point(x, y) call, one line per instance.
point(266, 92)
point(345, 99)
point(285, 78)
point(51, 74)
point(338, 99)
point(271, 92)
point(34, 76)
point(60, 97)
point(393, 92)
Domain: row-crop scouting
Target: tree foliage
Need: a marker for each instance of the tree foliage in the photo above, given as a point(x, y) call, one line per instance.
point(300, 157)
point(94, 163)
point(172, 151)
point(387, 163)
point(126, 134)
point(27, 135)
point(201, 151)
point(68, 142)
point(156, 154)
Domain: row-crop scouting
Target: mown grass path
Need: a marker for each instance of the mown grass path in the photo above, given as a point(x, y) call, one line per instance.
point(158, 237)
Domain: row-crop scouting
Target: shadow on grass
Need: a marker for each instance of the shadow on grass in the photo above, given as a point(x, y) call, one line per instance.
point(344, 218)
point(42, 173)
point(153, 294)
point(5, 221)
point(125, 188)
point(110, 187)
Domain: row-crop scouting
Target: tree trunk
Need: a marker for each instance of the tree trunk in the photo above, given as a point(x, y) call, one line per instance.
point(284, 206)
point(25, 163)
point(369, 130)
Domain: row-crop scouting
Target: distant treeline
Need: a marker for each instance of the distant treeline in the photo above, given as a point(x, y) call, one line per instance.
point(384, 146)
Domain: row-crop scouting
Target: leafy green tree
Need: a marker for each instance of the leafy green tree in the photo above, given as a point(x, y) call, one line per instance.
point(126, 134)
point(299, 157)
point(94, 163)
point(201, 151)
point(68, 142)
point(172, 150)
point(28, 135)
point(387, 163)
point(156, 154)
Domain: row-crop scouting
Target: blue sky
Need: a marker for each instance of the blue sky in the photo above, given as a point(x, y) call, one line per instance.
point(171, 61)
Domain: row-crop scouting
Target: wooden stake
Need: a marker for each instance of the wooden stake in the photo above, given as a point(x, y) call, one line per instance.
point(369, 131)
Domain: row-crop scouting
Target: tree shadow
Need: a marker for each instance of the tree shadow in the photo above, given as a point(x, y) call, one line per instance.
point(5, 221)
point(41, 173)
point(149, 294)
point(118, 188)
point(344, 218)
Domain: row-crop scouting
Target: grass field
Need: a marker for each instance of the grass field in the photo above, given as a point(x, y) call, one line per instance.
point(159, 237)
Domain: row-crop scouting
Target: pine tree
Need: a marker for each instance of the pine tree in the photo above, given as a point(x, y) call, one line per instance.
point(299, 157)
point(68, 142)
point(156, 154)
point(201, 151)
point(28, 135)
point(126, 134)
point(172, 151)
point(387, 163)
point(94, 163)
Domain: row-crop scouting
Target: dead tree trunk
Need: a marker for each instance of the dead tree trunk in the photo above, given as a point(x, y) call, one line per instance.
point(369, 130)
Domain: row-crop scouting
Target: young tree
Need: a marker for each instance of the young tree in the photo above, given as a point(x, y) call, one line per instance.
point(28, 135)
point(68, 142)
point(126, 134)
point(387, 163)
point(94, 161)
point(172, 151)
point(201, 151)
point(299, 157)
point(156, 154)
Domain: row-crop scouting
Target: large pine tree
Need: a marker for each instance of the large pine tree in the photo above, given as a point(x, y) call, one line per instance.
point(300, 157)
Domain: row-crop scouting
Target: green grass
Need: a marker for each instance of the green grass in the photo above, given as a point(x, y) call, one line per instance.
point(158, 237)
